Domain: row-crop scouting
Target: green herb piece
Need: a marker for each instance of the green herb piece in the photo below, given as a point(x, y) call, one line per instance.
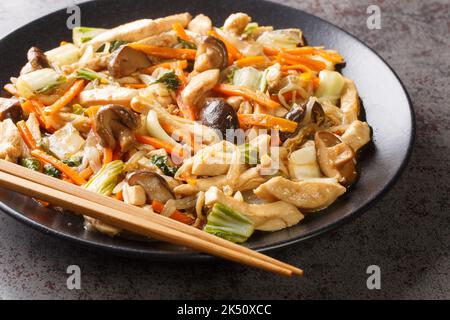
point(187, 44)
point(162, 162)
point(73, 162)
point(31, 163)
point(170, 80)
point(52, 171)
point(116, 44)
point(78, 109)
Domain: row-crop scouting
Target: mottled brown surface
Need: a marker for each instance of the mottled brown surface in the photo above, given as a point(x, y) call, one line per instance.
point(406, 233)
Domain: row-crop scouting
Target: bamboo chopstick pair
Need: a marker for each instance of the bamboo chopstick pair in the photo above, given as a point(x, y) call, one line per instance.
point(132, 218)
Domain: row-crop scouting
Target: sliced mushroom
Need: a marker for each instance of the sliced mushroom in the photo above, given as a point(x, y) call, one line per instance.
point(10, 109)
point(211, 54)
point(336, 159)
point(115, 124)
point(219, 115)
point(126, 61)
point(36, 61)
point(317, 113)
point(296, 114)
point(156, 188)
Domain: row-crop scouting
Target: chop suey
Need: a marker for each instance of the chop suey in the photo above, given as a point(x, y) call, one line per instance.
point(229, 129)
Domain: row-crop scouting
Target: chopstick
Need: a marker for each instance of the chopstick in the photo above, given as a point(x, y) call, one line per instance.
point(57, 192)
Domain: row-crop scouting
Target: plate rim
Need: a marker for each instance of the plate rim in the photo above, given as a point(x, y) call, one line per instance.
point(195, 256)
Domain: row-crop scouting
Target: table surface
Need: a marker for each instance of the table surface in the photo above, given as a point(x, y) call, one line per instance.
point(406, 233)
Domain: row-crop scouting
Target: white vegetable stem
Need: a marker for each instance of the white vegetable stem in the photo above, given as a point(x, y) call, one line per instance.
point(155, 129)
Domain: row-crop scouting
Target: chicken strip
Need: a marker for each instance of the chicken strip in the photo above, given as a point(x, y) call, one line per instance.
point(267, 217)
point(11, 143)
point(139, 29)
point(248, 180)
point(108, 95)
point(311, 195)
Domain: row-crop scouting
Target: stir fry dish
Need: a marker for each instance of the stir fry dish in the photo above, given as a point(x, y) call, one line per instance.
point(230, 129)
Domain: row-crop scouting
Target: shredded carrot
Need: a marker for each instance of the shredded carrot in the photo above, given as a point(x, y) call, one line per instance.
point(300, 50)
point(107, 155)
point(69, 172)
point(171, 149)
point(188, 112)
point(92, 113)
point(158, 207)
point(27, 107)
point(265, 120)
point(287, 96)
point(251, 61)
point(68, 96)
point(310, 63)
point(186, 137)
point(34, 106)
point(165, 52)
point(270, 51)
point(11, 89)
point(26, 135)
point(179, 30)
point(183, 64)
point(329, 55)
point(300, 67)
point(309, 76)
point(258, 97)
point(117, 154)
point(86, 173)
point(181, 217)
point(179, 67)
point(233, 52)
point(119, 195)
point(135, 85)
point(43, 203)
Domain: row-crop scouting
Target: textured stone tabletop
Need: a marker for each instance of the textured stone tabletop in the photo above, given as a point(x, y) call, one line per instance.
point(407, 233)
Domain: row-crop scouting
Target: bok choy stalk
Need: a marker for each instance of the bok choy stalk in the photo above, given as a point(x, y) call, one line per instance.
point(90, 75)
point(82, 35)
point(228, 224)
point(248, 77)
point(106, 179)
point(281, 39)
point(64, 55)
point(38, 81)
point(249, 154)
point(331, 85)
point(250, 28)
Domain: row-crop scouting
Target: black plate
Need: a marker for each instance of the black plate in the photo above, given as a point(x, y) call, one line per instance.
point(387, 108)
